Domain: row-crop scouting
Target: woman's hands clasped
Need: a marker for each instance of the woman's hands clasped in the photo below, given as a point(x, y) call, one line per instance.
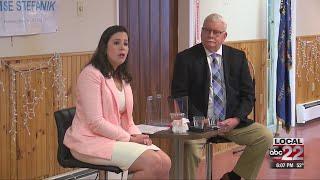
point(141, 139)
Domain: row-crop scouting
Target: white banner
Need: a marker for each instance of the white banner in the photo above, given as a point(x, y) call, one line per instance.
point(23, 17)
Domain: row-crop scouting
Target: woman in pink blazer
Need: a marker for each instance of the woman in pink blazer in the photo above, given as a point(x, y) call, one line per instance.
point(103, 131)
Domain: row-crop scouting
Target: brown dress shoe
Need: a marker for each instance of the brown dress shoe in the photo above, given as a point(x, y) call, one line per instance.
point(225, 177)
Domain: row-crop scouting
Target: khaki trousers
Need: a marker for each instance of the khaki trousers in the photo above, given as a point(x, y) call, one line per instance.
point(257, 139)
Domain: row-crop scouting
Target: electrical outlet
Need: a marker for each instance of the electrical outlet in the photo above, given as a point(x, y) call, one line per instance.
point(80, 8)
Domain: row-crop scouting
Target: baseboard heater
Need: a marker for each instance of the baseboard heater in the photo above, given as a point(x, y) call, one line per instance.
point(87, 174)
point(76, 174)
point(308, 111)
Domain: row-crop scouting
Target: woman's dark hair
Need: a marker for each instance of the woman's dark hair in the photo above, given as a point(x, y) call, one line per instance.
point(100, 59)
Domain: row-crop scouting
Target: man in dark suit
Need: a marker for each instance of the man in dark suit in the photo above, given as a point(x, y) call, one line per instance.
point(217, 80)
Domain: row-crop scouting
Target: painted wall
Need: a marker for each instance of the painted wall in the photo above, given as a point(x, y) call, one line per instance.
point(308, 17)
point(75, 33)
point(246, 18)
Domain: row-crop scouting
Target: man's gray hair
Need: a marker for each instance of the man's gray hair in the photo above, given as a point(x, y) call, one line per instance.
point(215, 17)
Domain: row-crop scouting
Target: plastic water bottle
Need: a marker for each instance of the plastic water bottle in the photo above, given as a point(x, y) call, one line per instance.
point(149, 118)
point(158, 109)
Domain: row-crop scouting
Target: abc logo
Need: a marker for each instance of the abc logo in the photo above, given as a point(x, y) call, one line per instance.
point(276, 151)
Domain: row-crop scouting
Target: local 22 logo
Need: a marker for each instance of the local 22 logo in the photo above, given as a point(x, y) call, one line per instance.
point(287, 153)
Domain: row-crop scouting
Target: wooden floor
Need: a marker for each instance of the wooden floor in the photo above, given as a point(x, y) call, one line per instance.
point(310, 131)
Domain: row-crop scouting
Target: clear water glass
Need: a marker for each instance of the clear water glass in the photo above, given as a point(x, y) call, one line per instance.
point(198, 122)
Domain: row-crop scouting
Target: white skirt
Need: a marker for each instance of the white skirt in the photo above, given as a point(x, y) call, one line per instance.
point(123, 155)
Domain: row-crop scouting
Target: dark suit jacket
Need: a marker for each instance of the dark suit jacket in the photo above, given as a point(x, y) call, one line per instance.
point(191, 77)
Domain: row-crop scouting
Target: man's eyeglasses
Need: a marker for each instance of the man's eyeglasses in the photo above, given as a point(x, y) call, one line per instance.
point(209, 31)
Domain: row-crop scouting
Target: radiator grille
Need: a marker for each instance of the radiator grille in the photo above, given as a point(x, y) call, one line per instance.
point(82, 174)
point(309, 105)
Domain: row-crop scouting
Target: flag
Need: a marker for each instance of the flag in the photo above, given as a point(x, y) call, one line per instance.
point(284, 62)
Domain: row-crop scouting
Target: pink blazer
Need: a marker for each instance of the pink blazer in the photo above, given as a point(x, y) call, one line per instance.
point(96, 125)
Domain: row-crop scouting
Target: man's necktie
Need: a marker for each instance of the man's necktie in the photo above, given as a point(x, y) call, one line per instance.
point(218, 91)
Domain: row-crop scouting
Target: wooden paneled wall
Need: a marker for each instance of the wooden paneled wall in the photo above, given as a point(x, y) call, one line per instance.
point(256, 51)
point(34, 156)
point(308, 68)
